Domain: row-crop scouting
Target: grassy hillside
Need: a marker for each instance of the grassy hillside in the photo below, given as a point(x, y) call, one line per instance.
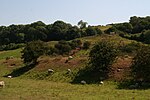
point(16, 67)
point(103, 28)
point(34, 82)
point(14, 53)
point(7, 66)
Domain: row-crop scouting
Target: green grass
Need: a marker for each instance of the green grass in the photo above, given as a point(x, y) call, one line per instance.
point(113, 38)
point(15, 53)
point(4, 70)
point(103, 28)
point(24, 89)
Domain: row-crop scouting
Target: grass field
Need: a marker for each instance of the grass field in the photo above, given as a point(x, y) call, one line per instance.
point(24, 89)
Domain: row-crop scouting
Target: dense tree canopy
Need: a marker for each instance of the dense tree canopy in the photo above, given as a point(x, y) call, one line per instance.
point(135, 25)
point(136, 29)
point(59, 30)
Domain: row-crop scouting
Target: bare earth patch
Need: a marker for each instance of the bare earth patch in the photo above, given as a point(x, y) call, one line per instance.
point(10, 63)
point(59, 63)
point(121, 68)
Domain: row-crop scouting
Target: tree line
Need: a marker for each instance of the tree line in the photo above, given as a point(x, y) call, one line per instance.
point(57, 31)
point(138, 28)
point(135, 25)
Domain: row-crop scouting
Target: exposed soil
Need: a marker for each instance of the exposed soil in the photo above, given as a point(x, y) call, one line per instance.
point(60, 63)
point(121, 68)
point(14, 62)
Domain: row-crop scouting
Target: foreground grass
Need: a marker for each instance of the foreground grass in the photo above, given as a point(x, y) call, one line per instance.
point(23, 89)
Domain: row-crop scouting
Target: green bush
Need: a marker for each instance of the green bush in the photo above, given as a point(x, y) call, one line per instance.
point(86, 45)
point(130, 48)
point(63, 47)
point(141, 64)
point(52, 51)
point(33, 50)
point(90, 31)
point(101, 57)
point(75, 44)
point(112, 29)
point(146, 37)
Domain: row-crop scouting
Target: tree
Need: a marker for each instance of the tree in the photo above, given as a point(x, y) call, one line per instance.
point(134, 20)
point(125, 27)
point(59, 30)
point(82, 24)
point(141, 64)
point(101, 57)
point(140, 23)
point(34, 34)
point(20, 37)
point(72, 33)
point(38, 23)
point(33, 50)
point(90, 31)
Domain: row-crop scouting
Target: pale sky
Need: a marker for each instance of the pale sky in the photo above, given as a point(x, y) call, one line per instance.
point(95, 12)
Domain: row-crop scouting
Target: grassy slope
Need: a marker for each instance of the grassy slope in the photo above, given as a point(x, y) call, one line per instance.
point(24, 88)
point(4, 68)
point(60, 67)
point(57, 63)
point(14, 53)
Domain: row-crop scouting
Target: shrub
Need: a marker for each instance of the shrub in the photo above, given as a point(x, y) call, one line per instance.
point(63, 47)
point(51, 51)
point(33, 50)
point(131, 47)
point(90, 31)
point(141, 64)
point(146, 37)
point(75, 43)
point(102, 56)
point(112, 29)
point(86, 45)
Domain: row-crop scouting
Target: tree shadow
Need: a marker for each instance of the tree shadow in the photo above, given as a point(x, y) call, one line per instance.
point(131, 84)
point(89, 76)
point(20, 71)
